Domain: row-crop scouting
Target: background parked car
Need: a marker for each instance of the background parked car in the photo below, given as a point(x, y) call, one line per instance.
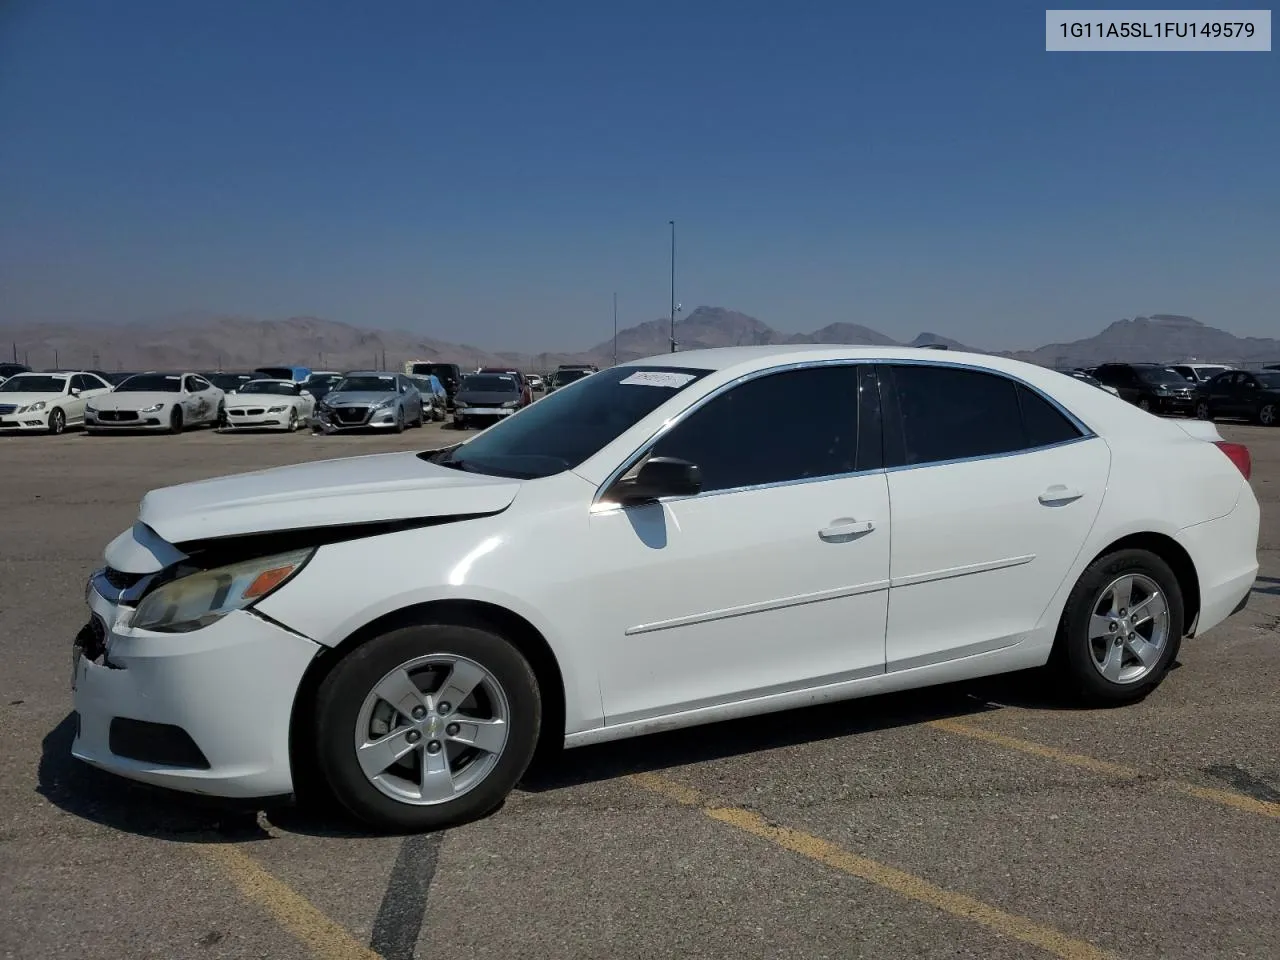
point(1150, 386)
point(536, 383)
point(319, 384)
point(268, 405)
point(47, 402)
point(12, 369)
point(449, 374)
point(228, 382)
point(525, 390)
point(370, 399)
point(435, 399)
point(567, 375)
point(1199, 373)
point(1240, 393)
point(1093, 381)
point(296, 374)
point(485, 397)
point(155, 401)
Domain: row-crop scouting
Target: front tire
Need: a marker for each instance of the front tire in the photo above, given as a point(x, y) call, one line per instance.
point(427, 727)
point(1144, 404)
point(293, 420)
point(175, 421)
point(1202, 411)
point(1121, 629)
point(57, 421)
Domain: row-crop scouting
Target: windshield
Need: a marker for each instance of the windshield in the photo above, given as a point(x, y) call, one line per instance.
point(30, 383)
point(1161, 375)
point(489, 383)
point(565, 428)
point(366, 385)
point(270, 386)
point(151, 383)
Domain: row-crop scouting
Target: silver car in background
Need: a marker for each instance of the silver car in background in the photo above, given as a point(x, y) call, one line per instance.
point(370, 399)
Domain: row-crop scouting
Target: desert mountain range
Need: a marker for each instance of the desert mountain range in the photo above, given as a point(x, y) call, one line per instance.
point(229, 343)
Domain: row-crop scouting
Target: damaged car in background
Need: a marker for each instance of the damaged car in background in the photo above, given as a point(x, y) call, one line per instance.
point(370, 401)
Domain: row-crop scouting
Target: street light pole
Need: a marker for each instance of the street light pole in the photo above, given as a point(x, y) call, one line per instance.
point(615, 329)
point(673, 285)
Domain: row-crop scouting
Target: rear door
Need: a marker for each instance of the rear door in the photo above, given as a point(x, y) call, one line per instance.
point(994, 490)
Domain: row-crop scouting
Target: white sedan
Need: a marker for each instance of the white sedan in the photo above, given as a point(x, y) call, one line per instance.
point(47, 402)
point(155, 401)
point(268, 405)
point(392, 628)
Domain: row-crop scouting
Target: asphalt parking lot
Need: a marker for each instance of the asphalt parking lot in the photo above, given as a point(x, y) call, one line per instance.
point(986, 820)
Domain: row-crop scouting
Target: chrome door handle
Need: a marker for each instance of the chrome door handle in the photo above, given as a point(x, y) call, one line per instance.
point(844, 529)
point(1059, 493)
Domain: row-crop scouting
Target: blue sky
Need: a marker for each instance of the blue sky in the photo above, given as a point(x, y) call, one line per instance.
point(491, 171)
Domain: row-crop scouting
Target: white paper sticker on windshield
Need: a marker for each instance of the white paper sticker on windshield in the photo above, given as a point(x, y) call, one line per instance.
point(658, 378)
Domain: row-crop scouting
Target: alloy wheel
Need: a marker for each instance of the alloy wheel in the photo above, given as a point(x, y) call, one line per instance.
point(1129, 628)
point(1267, 415)
point(1202, 411)
point(432, 729)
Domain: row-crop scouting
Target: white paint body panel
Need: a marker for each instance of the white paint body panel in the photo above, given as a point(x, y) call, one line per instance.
point(977, 556)
point(722, 604)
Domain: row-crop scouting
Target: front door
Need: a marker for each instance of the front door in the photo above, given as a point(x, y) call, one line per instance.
point(774, 578)
point(994, 492)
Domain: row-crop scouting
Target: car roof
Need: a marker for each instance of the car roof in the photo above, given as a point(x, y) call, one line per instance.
point(372, 373)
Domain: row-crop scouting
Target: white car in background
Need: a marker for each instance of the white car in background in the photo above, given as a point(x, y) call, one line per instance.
point(392, 628)
point(155, 401)
point(47, 402)
point(268, 405)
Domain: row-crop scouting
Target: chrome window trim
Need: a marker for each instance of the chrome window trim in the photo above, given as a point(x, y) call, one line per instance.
point(599, 506)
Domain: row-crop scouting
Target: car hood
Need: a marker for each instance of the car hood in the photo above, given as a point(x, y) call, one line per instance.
point(132, 401)
point(327, 493)
point(22, 399)
point(485, 396)
point(360, 398)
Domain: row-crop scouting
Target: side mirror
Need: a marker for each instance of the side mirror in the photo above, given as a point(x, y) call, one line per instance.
point(75, 391)
point(660, 477)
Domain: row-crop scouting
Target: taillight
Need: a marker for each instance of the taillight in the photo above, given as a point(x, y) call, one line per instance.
point(1238, 454)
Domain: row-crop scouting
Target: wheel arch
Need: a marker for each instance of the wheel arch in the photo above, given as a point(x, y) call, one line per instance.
point(474, 613)
point(1179, 561)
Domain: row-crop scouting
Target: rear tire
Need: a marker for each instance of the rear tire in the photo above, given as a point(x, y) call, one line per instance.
point(1108, 655)
point(175, 421)
point(1267, 415)
point(432, 657)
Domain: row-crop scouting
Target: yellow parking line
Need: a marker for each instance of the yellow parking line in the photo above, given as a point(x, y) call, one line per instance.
point(1229, 798)
point(899, 881)
point(325, 939)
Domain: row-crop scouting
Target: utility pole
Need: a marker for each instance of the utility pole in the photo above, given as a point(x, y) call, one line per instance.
point(673, 285)
point(615, 329)
point(55, 358)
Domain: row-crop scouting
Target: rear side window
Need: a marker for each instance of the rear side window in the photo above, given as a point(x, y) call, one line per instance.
point(1043, 422)
point(948, 413)
point(795, 425)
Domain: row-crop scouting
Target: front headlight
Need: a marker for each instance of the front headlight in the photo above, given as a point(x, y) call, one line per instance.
point(33, 407)
point(381, 405)
point(278, 409)
point(511, 405)
point(153, 408)
point(199, 599)
point(90, 408)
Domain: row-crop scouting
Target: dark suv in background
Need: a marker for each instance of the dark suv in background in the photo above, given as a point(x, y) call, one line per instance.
point(1244, 394)
point(1151, 386)
point(449, 374)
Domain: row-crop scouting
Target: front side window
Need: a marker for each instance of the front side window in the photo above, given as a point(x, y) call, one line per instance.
point(949, 413)
point(794, 425)
point(562, 430)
